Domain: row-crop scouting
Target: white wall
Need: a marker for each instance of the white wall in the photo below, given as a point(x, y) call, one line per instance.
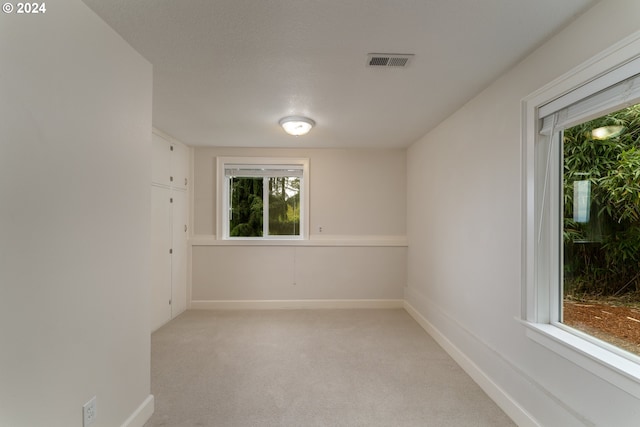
point(75, 130)
point(373, 202)
point(359, 199)
point(231, 273)
point(464, 229)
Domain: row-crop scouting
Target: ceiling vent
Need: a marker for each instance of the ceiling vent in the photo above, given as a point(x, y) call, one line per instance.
point(389, 60)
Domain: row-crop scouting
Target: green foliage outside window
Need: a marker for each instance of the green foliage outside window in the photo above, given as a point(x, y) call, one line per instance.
point(247, 206)
point(284, 206)
point(602, 256)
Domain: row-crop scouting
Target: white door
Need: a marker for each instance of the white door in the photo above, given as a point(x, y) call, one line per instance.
point(160, 257)
point(180, 166)
point(161, 155)
point(179, 260)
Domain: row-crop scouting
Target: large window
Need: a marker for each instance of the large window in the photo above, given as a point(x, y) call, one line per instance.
point(263, 198)
point(601, 228)
point(589, 212)
point(582, 217)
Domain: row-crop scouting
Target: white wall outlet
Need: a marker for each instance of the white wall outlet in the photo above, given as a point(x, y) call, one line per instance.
point(89, 413)
point(320, 229)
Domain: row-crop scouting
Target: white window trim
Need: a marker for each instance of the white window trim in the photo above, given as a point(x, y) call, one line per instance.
point(540, 300)
point(222, 201)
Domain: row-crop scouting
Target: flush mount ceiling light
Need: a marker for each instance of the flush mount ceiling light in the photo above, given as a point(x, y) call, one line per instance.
point(296, 125)
point(606, 132)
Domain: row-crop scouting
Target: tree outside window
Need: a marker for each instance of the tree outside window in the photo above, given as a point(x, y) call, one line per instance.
point(263, 198)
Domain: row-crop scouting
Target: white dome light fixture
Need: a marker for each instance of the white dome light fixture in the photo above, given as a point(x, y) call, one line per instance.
point(296, 125)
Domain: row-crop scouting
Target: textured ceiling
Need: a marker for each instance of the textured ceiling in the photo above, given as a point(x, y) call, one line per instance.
point(225, 71)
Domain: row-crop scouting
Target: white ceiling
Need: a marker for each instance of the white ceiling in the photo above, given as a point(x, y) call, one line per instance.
point(225, 71)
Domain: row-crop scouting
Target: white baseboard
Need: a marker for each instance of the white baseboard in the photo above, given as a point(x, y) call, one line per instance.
point(142, 414)
point(295, 304)
point(518, 414)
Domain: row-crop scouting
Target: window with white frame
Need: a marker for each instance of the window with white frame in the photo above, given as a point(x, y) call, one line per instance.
point(262, 198)
point(582, 215)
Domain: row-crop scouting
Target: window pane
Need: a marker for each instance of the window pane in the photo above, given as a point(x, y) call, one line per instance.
point(284, 206)
point(245, 198)
point(601, 283)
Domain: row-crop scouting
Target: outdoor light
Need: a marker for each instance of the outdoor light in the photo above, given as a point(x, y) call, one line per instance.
point(296, 125)
point(606, 132)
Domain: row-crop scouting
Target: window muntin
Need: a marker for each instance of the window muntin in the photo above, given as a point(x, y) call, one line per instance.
point(263, 198)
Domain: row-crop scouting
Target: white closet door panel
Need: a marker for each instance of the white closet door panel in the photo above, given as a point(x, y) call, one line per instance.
point(160, 257)
point(179, 257)
point(180, 166)
point(161, 160)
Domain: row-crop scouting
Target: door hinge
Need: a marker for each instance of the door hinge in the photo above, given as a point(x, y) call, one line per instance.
point(171, 200)
point(170, 251)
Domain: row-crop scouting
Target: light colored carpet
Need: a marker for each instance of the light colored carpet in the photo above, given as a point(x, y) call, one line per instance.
point(309, 368)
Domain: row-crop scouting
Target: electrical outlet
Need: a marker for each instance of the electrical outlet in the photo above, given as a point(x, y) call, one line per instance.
point(320, 229)
point(89, 413)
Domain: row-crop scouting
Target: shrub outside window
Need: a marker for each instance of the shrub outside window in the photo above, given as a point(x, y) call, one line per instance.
point(601, 228)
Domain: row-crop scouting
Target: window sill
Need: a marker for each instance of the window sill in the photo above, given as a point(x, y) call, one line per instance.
point(314, 240)
point(618, 370)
